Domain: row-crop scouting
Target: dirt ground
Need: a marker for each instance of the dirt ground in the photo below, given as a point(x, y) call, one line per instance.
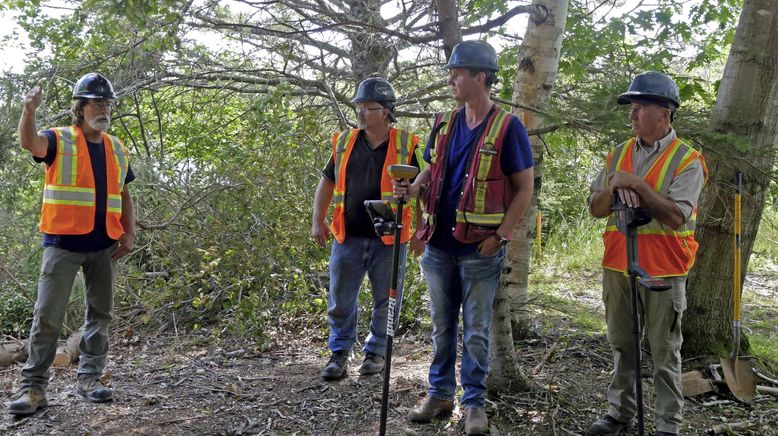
point(183, 385)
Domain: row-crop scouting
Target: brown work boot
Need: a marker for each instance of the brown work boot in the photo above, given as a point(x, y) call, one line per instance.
point(373, 364)
point(431, 408)
point(93, 389)
point(27, 402)
point(476, 421)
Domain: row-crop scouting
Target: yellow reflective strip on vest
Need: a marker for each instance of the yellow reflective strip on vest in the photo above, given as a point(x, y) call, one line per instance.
point(114, 203)
point(340, 149)
point(655, 231)
point(445, 118)
point(69, 195)
point(120, 158)
point(679, 234)
point(623, 154)
point(485, 163)
point(70, 189)
point(419, 152)
point(67, 156)
point(403, 140)
point(688, 158)
point(663, 172)
point(486, 219)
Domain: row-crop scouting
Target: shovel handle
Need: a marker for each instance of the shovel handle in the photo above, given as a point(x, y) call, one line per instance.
point(736, 291)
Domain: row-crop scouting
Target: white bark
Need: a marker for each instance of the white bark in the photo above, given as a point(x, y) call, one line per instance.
point(538, 61)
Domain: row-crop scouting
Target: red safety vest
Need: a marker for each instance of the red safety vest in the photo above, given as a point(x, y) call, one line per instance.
point(662, 251)
point(487, 191)
point(69, 191)
point(401, 148)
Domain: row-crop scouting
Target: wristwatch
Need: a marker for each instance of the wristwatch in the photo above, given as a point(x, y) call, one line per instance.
point(503, 241)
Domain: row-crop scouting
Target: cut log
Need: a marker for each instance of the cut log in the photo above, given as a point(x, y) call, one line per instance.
point(68, 352)
point(12, 352)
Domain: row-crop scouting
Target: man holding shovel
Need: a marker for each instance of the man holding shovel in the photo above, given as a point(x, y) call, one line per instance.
point(357, 172)
point(653, 170)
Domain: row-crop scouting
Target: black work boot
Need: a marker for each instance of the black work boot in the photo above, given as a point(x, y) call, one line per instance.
point(608, 426)
point(27, 402)
point(94, 390)
point(373, 364)
point(337, 367)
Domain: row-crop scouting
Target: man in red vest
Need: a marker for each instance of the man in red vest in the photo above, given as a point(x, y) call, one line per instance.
point(657, 171)
point(88, 223)
point(357, 172)
point(475, 192)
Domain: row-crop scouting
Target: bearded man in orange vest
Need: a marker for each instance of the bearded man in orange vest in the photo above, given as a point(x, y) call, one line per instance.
point(88, 223)
point(474, 193)
point(658, 171)
point(356, 172)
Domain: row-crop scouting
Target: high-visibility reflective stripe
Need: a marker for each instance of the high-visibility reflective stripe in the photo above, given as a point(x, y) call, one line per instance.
point(670, 158)
point(649, 231)
point(624, 154)
point(669, 169)
point(485, 163)
point(67, 156)
point(338, 198)
point(480, 218)
point(446, 118)
point(120, 158)
point(344, 140)
point(403, 145)
point(114, 203)
point(419, 152)
point(69, 195)
point(445, 123)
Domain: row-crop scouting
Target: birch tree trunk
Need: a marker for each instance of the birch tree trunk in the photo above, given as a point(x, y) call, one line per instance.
point(371, 51)
point(747, 109)
point(538, 61)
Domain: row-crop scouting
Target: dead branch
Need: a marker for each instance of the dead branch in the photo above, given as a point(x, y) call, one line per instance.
point(67, 353)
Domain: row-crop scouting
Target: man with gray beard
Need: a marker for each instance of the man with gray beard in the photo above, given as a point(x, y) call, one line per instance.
point(88, 222)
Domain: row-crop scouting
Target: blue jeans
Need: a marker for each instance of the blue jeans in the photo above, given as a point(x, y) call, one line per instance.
point(469, 282)
point(349, 262)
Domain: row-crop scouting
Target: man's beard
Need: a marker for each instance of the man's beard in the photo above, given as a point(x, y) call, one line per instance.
point(101, 123)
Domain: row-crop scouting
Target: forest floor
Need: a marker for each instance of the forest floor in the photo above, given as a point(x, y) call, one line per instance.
point(174, 384)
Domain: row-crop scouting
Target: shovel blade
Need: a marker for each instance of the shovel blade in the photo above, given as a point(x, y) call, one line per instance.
point(739, 375)
point(693, 383)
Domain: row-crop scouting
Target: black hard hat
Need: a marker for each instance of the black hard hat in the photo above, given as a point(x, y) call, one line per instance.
point(379, 90)
point(652, 87)
point(93, 85)
point(375, 89)
point(473, 54)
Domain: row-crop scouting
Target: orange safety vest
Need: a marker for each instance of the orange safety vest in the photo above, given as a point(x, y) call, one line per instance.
point(487, 191)
point(69, 191)
point(662, 251)
point(401, 148)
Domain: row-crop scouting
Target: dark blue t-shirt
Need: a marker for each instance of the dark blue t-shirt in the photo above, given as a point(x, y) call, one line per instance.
point(98, 239)
point(516, 157)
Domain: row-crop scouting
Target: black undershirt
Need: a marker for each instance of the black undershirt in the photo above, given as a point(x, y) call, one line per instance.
point(363, 182)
